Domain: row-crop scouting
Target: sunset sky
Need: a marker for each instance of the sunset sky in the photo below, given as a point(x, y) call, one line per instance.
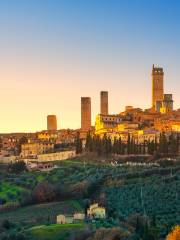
point(52, 52)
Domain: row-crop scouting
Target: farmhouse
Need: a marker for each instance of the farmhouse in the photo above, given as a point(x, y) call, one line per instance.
point(64, 219)
point(95, 211)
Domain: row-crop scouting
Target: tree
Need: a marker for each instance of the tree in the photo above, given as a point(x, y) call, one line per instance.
point(22, 140)
point(144, 147)
point(151, 147)
point(173, 144)
point(129, 144)
point(132, 145)
point(17, 167)
point(44, 192)
point(155, 145)
point(78, 144)
point(163, 143)
point(89, 142)
point(98, 145)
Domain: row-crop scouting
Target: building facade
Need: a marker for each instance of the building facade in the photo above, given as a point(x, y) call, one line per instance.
point(33, 149)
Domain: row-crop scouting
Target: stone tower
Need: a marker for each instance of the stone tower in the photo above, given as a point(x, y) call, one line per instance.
point(157, 85)
point(85, 113)
point(167, 104)
point(104, 102)
point(51, 123)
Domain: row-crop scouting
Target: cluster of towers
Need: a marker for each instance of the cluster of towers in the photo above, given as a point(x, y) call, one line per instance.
point(86, 109)
point(160, 102)
point(85, 113)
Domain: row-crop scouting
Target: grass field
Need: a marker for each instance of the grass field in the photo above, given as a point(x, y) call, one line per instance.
point(41, 213)
point(54, 231)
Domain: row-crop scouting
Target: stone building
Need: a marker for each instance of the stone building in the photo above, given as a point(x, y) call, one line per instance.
point(68, 219)
point(167, 104)
point(85, 113)
point(148, 135)
point(33, 149)
point(64, 219)
point(157, 85)
point(61, 219)
point(104, 102)
point(162, 103)
point(105, 122)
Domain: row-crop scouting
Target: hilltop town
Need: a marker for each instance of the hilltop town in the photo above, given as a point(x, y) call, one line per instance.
point(143, 127)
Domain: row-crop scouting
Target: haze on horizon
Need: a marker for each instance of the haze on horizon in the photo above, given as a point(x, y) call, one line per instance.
point(53, 52)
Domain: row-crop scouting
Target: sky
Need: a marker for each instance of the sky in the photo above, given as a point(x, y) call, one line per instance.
point(52, 52)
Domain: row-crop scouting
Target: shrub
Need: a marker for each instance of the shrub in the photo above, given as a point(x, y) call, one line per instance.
point(25, 198)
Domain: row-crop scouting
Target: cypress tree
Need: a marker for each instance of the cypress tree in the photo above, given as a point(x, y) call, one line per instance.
point(144, 147)
point(78, 144)
point(155, 145)
point(119, 146)
point(129, 144)
point(163, 144)
point(88, 136)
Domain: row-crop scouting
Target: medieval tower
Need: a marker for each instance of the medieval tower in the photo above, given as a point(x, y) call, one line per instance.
point(157, 86)
point(51, 123)
point(104, 102)
point(85, 113)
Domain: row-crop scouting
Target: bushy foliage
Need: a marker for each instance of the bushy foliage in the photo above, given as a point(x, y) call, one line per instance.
point(78, 144)
point(159, 198)
point(110, 234)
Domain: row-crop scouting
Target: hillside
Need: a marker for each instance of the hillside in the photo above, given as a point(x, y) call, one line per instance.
point(125, 191)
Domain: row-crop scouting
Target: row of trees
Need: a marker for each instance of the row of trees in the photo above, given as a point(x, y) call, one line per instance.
point(104, 146)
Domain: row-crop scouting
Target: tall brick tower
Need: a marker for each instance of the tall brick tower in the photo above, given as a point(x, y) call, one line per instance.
point(85, 113)
point(157, 85)
point(104, 102)
point(51, 123)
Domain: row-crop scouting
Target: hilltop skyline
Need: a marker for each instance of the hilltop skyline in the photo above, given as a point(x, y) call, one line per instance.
point(50, 58)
